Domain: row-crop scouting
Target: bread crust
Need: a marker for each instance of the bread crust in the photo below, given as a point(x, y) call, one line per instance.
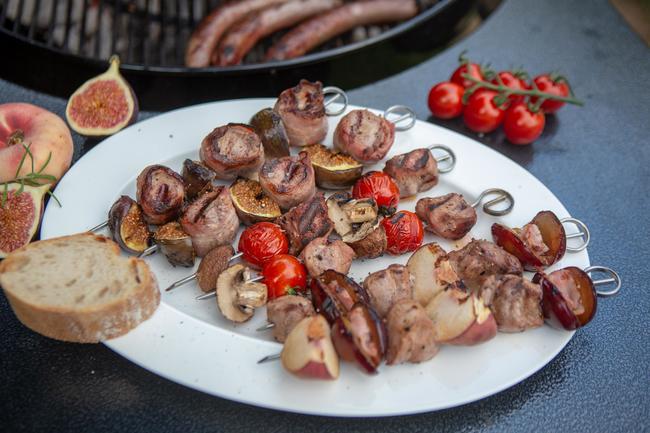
point(89, 324)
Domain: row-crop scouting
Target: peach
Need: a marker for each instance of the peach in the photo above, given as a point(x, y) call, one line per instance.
point(43, 131)
point(308, 351)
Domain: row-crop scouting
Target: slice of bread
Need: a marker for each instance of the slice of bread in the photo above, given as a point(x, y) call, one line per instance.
point(78, 288)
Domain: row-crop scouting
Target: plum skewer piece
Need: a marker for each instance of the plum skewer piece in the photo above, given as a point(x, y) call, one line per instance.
point(214, 293)
point(193, 276)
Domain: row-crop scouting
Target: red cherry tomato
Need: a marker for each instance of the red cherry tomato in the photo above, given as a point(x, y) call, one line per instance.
point(262, 241)
point(481, 113)
point(284, 275)
point(547, 85)
point(521, 125)
point(404, 232)
point(512, 81)
point(471, 69)
point(380, 187)
point(446, 100)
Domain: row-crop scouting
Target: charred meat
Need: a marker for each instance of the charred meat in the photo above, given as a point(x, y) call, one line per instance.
point(448, 216)
point(285, 312)
point(322, 254)
point(389, 286)
point(196, 176)
point(411, 334)
point(232, 150)
point(306, 222)
point(364, 136)
point(289, 180)
point(414, 172)
point(515, 302)
point(160, 193)
point(303, 112)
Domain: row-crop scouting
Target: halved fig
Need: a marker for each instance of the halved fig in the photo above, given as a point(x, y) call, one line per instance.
point(251, 202)
point(196, 176)
point(461, 318)
point(268, 125)
point(569, 298)
point(102, 105)
point(360, 337)
point(334, 294)
point(353, 219)
point(20, 215)
point(333, 170)
point(127, 225)
point(175, 244)
point(538, 244)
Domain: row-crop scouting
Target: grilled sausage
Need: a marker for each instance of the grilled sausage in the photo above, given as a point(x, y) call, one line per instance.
point(303, 113)
point(206, 36)
point(388, 286)
point(285, 312)
point(322, 254)
point(515, 302)
point(448, 216)
point(232, 150)
point(306, 222)
point(289, 180)
point(410, 334)
point(160, 193)
point(243, 36)
point(364, 136)
point(210, 220)
point(320, 29)
point(413, 172)
point(479, 259)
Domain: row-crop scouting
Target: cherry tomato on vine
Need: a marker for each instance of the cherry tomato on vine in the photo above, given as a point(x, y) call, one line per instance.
point(546, 84)
point(261, 241)
point(380, 187)
point(512, 81)
point(472, 69)
point(446, 100)
point(521, 125)
point(404, 232)
point(481, 114)
point(284, 275)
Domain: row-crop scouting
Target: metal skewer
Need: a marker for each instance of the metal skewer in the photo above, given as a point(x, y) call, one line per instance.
point(404, 113)
point(99, 226)
point(447, 155)
point(214, 292)
point(583, 232)
point(269, 358)
point(488, 207)
point(193, 276)
point(615, 278)
point(338, 94)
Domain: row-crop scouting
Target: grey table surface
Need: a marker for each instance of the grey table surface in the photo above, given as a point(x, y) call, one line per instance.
point(595, 159)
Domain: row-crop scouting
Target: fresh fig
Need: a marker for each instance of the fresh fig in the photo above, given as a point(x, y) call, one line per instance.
point(127, 224)
point(102, 105)
point(20, 214)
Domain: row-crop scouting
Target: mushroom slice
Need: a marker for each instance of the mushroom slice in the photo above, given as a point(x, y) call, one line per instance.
point(353, 219)
point(237, 298)
point(251, 202)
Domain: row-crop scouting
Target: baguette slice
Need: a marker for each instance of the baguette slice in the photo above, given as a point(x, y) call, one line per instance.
point(78, 288)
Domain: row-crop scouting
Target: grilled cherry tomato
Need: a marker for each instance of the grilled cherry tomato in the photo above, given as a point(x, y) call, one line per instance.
point(471, 69)
point(521, 125)
point(446, 100)
point(481, 114)
point(261, 242)
point(512, 81)
point(380, 187)
point(404, 232)
point(284, 275)
point(559, 87)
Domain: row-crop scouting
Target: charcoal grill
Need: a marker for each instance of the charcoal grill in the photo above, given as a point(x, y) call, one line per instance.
point(54, 45)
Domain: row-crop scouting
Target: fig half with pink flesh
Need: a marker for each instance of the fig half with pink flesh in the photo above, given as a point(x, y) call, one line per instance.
point(334, 294)
point(360, 337)
point(569, 298)
point(550, 231)
point(102, 105)
point(20, 214)
point(127, 224)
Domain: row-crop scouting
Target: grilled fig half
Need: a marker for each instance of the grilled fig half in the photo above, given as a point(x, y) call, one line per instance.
point(268, 125)
point(127, 224)
point(251, 202)
point(333, 170)
point(175, 244)
point(538, 244)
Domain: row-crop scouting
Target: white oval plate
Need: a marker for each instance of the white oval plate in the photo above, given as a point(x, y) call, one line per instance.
point(189, 342)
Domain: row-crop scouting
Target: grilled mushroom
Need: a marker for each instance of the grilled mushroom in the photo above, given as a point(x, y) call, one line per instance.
point(353, 219)
point(237, 298)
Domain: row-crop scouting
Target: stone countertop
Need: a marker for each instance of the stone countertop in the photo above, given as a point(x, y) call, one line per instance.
point(595, 159)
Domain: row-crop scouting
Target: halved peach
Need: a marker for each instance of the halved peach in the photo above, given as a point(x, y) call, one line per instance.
point(431, 271)
point(308, 351)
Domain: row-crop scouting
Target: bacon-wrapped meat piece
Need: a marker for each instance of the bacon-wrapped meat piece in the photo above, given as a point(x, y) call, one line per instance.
point(160, 193)
point(448, 216)
point(306, 222)
point(232, 150)
point(303, 112)
point(289, 180)
point(479, 259)
point(210, 220)
point(413, 172)
point(364, 136)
